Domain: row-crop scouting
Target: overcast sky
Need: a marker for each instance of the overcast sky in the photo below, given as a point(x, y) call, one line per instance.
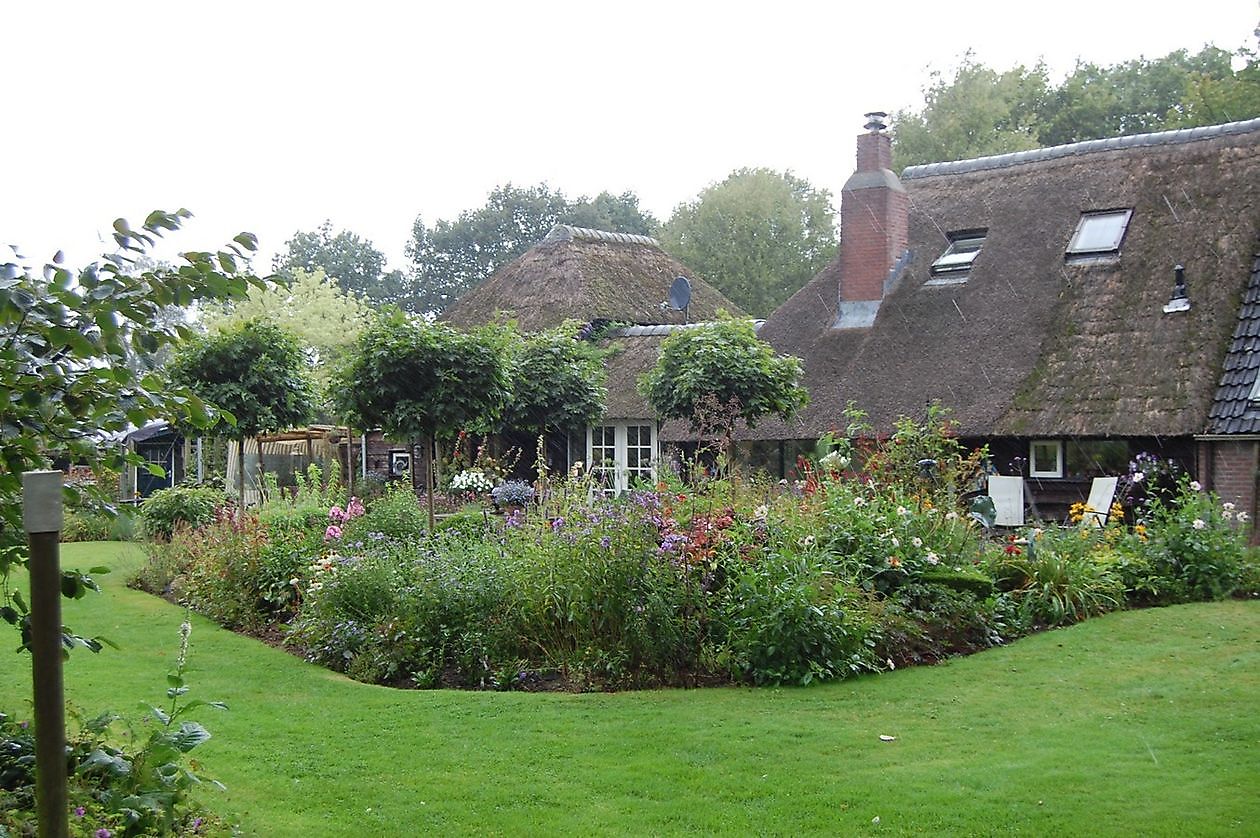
point(271, 117)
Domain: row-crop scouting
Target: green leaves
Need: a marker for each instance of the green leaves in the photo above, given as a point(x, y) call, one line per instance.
point(717, 373)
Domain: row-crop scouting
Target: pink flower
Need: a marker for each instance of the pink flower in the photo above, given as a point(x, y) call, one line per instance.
point(336, 515)
point(354, 508)
point(332, 533)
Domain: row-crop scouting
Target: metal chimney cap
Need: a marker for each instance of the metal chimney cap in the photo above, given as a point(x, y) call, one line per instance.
point(875, 121)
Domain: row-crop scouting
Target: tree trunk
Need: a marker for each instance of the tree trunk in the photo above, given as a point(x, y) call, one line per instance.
point(428, 481)
point(240, 470)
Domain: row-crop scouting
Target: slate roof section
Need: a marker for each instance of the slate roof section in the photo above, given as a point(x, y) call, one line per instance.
point(1233, 411)
point(1031, 345)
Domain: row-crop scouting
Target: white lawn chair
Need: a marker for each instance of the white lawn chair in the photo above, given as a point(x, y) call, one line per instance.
point(1101, 494)
point(1008, 500)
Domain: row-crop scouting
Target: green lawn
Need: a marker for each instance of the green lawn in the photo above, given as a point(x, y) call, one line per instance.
point(1143, 722)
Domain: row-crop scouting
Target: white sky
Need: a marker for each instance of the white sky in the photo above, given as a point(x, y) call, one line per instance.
point(272, 116)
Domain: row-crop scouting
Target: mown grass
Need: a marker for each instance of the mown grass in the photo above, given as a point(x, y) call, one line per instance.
point(1142, 722)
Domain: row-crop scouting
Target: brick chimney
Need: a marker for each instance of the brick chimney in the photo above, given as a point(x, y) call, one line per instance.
point(874, 213)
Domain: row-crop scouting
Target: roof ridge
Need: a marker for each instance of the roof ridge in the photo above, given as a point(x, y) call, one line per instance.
point(568, 233)
point(1175, 136)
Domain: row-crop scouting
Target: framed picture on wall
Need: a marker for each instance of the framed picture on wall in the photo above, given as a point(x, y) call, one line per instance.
point(399, 463)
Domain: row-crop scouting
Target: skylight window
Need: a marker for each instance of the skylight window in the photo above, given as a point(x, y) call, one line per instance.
point(956, 261)
point(1099, 234)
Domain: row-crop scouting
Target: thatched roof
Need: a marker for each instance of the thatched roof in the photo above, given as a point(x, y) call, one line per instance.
point(586, 275)
point(1032, 345)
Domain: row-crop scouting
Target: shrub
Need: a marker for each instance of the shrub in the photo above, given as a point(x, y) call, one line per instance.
point(190, 506)
point(397, 515)
point(512, 493)
point(1052, 583)
point(1195, 545)
point(787, 623)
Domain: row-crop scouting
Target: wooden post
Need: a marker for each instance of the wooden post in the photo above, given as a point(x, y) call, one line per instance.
point(41, 518)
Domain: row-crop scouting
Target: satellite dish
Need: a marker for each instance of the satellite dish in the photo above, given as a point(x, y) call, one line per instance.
point(680, 294)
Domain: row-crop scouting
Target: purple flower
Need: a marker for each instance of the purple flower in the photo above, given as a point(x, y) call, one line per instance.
point(103, 833)
point(605, 542)
point(79, 811)
point(557, 524)
point(515, 519)
point(332, 533)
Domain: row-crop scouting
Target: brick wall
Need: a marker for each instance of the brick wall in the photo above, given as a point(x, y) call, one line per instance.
point(1233, 474)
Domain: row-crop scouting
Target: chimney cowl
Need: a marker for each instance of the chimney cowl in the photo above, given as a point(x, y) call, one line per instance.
point(875, 121)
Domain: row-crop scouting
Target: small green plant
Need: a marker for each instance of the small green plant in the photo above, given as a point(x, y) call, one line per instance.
point(1053, 583)
point(188, 506)
point(134, 781)
point(1196, 546)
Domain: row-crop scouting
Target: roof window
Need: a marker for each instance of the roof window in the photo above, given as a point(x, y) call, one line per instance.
point(1098, 234)
point(952, 266)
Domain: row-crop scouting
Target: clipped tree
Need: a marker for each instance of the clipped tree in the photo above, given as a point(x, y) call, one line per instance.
point(418, 380)
point(257, 372)
point(557, 383)
point(757, 236)
point(313, 308)
point(67, 339)
point(722, 366)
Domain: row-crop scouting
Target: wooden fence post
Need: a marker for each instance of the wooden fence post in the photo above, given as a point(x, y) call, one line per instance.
point(41, 518)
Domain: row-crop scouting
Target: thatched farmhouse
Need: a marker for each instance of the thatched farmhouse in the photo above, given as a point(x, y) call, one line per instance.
point(1073, 306)
point(620, 285)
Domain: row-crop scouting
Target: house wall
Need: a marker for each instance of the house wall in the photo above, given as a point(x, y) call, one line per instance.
point(1231, 473)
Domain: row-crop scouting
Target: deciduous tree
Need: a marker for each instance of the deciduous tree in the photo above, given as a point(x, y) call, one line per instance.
point(723, 364)
point(354, 263)
point(256, 371)
point(757, 236)
point(420, 380)
point(66, 382)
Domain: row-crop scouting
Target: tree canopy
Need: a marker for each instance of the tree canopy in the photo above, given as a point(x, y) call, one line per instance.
point(257, 372)
point(757, 236)
point(981, 111)
point(419, 380)
point(66, 340)
point(312, 307)
point(353, 263)
point(451, 257)
point(557, 382)
point(722, 366)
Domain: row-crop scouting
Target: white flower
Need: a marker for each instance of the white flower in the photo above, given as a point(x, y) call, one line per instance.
point(1198, 523)
point(1138, 477)
point(1195, 486)
point(859, 501)
point(916, 541)
point(894, 541)
point(1227, 506)
point(761, 511)
point(951, 515)
point(1242, 516)
point(932, 558)
point(901, 510)
point(891, 665)
point(807, 541)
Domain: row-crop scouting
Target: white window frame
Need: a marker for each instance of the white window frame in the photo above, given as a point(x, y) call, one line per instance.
point(1033, 471)
point(963, 249)
point(620, 476)
point(1079, 248)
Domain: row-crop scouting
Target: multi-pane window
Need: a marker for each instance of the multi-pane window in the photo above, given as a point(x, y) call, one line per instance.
point(603, 455)
point(622, 454)
point(1098, 234)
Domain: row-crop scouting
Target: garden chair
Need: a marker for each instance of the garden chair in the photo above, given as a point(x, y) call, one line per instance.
point(1101, 494)
point(1008, 500)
